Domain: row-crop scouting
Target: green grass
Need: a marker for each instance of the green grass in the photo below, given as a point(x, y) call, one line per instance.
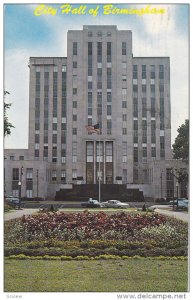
point(132, 275)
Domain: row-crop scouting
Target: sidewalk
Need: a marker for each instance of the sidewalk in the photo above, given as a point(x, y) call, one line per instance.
point(19, 213)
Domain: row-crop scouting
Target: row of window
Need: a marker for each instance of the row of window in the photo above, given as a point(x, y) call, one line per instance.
point(48, 68)
point(152, 69)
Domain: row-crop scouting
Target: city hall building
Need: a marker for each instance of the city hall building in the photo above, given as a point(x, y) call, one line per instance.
point(101, 83)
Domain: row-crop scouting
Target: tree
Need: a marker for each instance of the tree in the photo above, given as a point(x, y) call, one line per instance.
point(181, 144)
point(7, 124)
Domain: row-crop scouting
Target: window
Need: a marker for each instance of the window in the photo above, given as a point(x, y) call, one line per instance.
point(99, 52)
point(143, 71)
point(74, 152)
point(109, 127)
point(109, 97)
point(124, 78)
point(29, 173)
point(124, 104)
point(74, 91)
point(46, 68)
point(109, 75)
point(109, 110)
point(124, 152)
point(135, 125)
point(161, 72)
point(54, 178)
point(144, 152)
point(74, 48)
point(74, 174)
point(109, 52)
point(55, 68)
point(63, 68)
point(144, 88)
point(89, 48)
point(21, 157)
point(74, 118)
point(152, 107)
point(135, 72)
point(153, 151)
point(29, 193)
point(109, 151)
point(36, 153)
point(135, 107)
point(74, 104)
point(15, 174)
point(89, 151)
point(12, 157)
point(63, 175)
point(124, 48)
point(99, 78)
point(89, 33)
point(124, 131)
point(144, 107)
point(135, 154)
point(89, 85)
point(74, 64)
point(74, 131)
point(152, 71)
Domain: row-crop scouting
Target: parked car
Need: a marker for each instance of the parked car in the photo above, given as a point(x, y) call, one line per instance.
point(91, 203)
point(114, 204)
point(182, 203)
point(12, 201)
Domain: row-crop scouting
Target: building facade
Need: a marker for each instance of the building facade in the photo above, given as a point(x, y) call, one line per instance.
point(99, 82)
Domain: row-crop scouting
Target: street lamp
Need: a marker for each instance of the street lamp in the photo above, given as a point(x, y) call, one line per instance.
point(177, 187)
point(19, 186)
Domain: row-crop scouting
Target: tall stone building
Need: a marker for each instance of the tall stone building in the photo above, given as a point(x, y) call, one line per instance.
point(99, 82)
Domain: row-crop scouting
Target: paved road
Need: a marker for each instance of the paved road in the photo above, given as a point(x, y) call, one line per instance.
point(181, 215)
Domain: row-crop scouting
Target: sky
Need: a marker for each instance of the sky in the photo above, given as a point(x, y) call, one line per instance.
point(27, 35)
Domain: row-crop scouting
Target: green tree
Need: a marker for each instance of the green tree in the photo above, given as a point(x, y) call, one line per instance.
point(7, 124)
point(181, 144)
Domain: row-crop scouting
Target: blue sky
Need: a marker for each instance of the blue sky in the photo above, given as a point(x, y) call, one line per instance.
point(27, 35)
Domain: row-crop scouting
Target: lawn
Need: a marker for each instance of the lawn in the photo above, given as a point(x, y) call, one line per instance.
point(131, 275)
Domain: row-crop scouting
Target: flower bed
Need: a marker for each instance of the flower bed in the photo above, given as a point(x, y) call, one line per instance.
point(92, 234)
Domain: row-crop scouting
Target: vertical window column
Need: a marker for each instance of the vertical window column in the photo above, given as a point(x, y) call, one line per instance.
point(29, 182)
point(63, 115)
point(46, 112)
point(99, 108)
point(37, 112)
point(15, 181)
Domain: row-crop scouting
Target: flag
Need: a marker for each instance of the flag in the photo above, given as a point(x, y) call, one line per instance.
point(93, 128)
